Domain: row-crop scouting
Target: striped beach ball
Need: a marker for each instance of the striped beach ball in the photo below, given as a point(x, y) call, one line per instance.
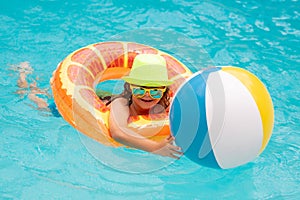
point(222, 117)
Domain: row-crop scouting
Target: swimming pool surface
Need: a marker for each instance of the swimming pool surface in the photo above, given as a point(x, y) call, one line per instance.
point(43, 157)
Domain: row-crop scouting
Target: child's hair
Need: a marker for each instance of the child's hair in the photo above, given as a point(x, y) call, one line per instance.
point(127, 94)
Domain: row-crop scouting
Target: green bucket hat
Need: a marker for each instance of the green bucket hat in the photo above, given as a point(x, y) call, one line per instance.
point(148, 70)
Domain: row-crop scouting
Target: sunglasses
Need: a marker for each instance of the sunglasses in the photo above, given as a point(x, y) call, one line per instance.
point(155, 93)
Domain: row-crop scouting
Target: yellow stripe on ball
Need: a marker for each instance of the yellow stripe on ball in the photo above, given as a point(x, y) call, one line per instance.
point(261, 96)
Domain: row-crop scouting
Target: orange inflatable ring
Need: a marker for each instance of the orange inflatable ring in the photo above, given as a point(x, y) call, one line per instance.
point(74, 81)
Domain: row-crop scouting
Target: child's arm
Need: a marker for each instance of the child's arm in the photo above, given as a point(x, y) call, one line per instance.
point(120, 132)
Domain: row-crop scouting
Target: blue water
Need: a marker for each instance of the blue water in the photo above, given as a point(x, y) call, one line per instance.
point(43, 157)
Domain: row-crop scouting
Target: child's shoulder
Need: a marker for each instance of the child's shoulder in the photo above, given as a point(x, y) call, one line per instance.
point(120, 101)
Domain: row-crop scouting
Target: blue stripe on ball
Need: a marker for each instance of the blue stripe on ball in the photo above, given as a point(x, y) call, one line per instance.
point(188, 120)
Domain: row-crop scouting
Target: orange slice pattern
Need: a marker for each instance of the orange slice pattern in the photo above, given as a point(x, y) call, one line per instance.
point(76, 76)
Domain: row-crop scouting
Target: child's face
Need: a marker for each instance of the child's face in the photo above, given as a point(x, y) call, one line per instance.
point(146, 97)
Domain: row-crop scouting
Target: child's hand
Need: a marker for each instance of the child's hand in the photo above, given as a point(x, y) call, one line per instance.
point(167, 148)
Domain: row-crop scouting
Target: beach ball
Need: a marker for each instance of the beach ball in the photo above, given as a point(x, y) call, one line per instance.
point(222, 117)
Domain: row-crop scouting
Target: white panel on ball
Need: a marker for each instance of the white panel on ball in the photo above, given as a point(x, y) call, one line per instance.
point(234, 121)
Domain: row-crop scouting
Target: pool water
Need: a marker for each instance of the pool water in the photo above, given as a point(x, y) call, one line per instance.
point(43, 157)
